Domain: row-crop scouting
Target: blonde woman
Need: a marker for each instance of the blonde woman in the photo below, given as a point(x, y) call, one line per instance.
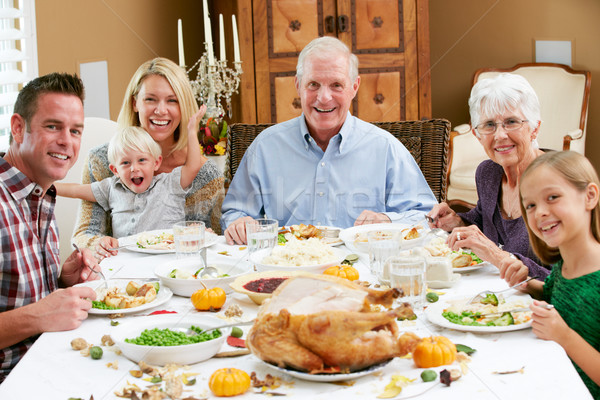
point(158, 98)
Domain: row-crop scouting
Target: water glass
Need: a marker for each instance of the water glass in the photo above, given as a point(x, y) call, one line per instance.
point(261, 234)
point(407, 273)
point(189, 238)
point(382, 245)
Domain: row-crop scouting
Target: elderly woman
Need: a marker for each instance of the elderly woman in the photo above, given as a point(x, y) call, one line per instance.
point(505, 114)
point(158, 98)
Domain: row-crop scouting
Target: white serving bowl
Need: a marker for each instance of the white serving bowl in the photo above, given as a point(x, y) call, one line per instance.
point(162, 355)
point(257, 259)
point(187, 287)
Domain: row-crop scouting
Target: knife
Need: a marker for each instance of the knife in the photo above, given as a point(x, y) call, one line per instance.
point(546, 306)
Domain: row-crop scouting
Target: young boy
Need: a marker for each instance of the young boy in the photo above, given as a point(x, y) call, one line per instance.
point(138, 200)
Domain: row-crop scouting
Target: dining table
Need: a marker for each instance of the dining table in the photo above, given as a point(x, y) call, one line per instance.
point(505, 365)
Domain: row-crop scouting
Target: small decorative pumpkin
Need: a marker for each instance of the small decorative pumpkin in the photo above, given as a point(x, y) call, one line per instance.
point(343, 271)
point(209, 299)
point(229, 382)
point(434, 351)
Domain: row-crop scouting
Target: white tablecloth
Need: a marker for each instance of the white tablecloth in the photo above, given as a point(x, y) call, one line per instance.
point(52, 370)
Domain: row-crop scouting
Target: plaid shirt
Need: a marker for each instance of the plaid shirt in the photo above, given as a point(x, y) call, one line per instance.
point(29, 260)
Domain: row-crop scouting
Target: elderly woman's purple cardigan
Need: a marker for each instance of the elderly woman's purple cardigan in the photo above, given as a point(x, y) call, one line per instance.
point(512, 234)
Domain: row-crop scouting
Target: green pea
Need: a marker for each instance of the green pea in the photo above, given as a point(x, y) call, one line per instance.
point(167, 337)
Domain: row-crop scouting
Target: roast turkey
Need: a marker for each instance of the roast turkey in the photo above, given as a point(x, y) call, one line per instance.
point(320, 323)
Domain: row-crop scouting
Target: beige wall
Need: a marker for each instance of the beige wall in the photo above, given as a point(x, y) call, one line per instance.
point(471, 34)
point(125, 33)
point(465, 35)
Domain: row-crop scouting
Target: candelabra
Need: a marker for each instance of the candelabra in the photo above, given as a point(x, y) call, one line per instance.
point(214, 84)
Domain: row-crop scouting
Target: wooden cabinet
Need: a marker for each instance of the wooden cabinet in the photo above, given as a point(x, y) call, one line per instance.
point(390, 38)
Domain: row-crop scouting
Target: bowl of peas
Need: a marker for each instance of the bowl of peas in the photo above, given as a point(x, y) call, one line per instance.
point(170, 338)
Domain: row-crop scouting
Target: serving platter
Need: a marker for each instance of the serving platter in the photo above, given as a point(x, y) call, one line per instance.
point(130, 242)
point(434, 314)
point(163, 295)
point(162, 355)
point(257, 258)
point(328, 377)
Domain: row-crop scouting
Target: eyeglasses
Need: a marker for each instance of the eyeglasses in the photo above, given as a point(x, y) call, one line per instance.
point(509, 124)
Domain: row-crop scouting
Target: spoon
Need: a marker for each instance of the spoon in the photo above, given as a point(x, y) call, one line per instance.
point(214, 273)
point(211, 271)
point(92, 269)
point(191, 332)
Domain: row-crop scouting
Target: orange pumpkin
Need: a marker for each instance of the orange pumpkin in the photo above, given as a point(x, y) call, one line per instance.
point(343, 271)
point(434, 351)
point(209, 299)
point(229, 382)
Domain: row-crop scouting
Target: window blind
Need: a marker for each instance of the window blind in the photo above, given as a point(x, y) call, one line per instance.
point(18, 56)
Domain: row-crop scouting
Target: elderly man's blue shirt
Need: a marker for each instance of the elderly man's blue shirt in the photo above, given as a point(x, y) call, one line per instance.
point(285, 175)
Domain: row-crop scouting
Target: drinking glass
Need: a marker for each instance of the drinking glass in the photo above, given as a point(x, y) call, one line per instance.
point(407, 273)
point(382, 245)
point(261, 234)
point(189, 238)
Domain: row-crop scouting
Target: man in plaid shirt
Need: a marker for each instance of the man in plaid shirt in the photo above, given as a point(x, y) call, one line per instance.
point(45, 138)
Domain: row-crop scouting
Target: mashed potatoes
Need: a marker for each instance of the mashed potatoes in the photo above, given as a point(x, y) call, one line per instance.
point(301, 252)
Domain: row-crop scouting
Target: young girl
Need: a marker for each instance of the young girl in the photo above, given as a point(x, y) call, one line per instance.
point(559, 203)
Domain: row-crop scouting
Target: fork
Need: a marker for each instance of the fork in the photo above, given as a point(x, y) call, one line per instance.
point(486, 292)
point(92, 269)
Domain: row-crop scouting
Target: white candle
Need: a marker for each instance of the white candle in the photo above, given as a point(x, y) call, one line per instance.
point(223, 57)
point(208, 35)
point(236, 41)
point(180, 43)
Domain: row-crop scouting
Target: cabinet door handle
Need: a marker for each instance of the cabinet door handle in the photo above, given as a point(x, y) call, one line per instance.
point(343, 23)
point(329, 24)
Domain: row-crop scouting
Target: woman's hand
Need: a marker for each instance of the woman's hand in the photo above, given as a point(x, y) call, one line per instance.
point(547, 324)
point(470, 237)
point(444, 217)
point(103, 247)
point(513, 271)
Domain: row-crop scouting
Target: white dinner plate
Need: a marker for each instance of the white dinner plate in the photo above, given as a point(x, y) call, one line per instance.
point(434, 314)
point(328, 377)
point(163, 295)
point(130, 242)
point(472, 267)
point(348, 235)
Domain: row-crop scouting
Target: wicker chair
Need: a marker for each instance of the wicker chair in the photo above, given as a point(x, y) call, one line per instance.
point(427, 141)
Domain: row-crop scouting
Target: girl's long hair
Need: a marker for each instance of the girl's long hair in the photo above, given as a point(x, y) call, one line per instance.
point(579, 172)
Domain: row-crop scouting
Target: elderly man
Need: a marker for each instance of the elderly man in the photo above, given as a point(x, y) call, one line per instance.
point(45, 137)
point(325, 167)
